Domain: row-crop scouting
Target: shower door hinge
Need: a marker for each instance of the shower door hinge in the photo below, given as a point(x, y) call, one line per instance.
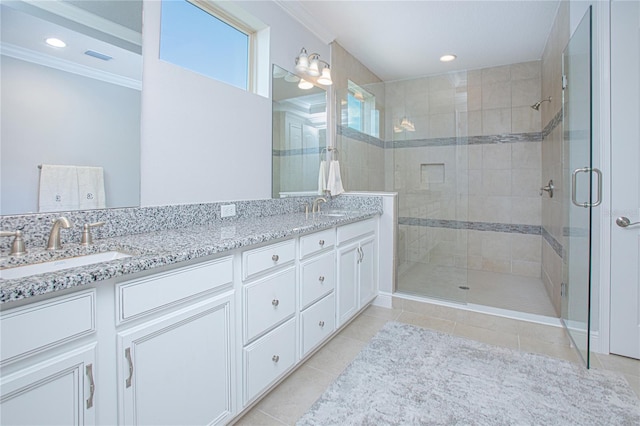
point(564, 81)
point(563, 289)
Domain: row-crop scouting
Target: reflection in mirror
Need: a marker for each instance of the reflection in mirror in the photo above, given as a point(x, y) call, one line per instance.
point(299, 135)
point(77, 105)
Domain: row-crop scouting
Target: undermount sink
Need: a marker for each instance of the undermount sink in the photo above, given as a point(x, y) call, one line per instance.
point(57, 265)
point(334, 213)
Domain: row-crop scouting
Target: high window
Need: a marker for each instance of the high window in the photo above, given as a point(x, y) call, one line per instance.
point(362, 114)
point(197, 35)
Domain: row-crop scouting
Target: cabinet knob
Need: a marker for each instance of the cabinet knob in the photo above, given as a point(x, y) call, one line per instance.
point(275, 358)
point(321, 278)
point(275, 302)
point(321, 242)
point(275, 257)
point(321, 324)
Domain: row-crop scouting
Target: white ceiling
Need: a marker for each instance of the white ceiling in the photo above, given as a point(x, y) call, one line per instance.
point(405, 39)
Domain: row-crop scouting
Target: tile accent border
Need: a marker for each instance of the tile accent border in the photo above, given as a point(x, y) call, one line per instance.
point(474, 226)
point(555, 245)
point(429, 142)
point(297, 151)
point(466, 140)
point(550, 127)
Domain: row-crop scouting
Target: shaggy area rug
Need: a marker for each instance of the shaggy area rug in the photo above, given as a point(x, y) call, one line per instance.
point(407, 375)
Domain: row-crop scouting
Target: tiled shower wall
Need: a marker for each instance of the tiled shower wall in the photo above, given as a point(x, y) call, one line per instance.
point(552, 213)
point(469, 176)
point(361, 156)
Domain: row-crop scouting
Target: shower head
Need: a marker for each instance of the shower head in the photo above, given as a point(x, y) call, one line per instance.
point(536, 106)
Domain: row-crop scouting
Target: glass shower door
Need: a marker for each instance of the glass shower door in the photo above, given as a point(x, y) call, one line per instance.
point(582, 185)
point(430, 174)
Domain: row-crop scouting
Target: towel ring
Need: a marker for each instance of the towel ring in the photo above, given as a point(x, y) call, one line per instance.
point(330, 149)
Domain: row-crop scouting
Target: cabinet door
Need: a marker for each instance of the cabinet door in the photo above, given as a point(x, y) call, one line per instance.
point(178, 369)
point(368, 279)
point(56, 392)
point(347, 288)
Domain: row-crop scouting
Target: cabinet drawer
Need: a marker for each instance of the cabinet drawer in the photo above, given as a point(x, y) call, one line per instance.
point(139, 297)
point(354, 230)
point(269, 358)
point(318, 322)
point(265, 258)
point(317, 278)
point(311, 244)
point(268, 302)
point(33, 328)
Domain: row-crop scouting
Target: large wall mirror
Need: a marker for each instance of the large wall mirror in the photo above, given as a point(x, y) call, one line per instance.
point(77, 105)
point(299, 134)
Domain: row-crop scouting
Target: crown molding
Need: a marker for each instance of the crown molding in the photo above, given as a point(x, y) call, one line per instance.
point(88, 19)
point(16, 52)
point(298, 12)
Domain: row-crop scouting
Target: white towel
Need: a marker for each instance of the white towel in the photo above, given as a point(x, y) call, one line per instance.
point(91, 187)
point(58, 188)
point(322, 178)
point(334, 183)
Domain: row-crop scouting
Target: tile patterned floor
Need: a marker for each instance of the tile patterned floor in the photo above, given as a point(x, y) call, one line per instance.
point(505, 291)
point(295, 395)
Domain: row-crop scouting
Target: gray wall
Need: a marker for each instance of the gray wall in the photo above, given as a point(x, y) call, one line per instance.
point(54, 117)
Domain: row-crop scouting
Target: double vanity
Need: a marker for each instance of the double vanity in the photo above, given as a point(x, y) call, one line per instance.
point(191, 323)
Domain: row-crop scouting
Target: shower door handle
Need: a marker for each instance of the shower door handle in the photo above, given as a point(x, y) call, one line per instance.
point(574, 180)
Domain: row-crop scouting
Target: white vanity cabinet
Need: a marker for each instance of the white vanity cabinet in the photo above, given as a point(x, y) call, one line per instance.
point(193, 343)
point(48, 362)
point(357, 279)
point(317, 285)
point(178, 367)
point(269, 315)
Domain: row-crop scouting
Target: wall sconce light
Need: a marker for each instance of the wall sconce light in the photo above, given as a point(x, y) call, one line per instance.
point(313, 66)
point(304, 84)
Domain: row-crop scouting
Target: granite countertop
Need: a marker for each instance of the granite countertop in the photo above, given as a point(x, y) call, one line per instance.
point(155, 249)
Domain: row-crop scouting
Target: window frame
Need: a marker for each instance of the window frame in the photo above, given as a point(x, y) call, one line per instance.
point(212, 8)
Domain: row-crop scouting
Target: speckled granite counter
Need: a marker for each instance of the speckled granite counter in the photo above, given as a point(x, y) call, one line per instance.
point(166, 247)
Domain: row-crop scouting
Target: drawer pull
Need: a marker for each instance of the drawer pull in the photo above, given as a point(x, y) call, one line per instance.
point(321, 242)
point(321, 324)
point(275, 302)
point(275, 358)
point(275, 257)
point(127, 355)
point(321, 278)
point(92, 385)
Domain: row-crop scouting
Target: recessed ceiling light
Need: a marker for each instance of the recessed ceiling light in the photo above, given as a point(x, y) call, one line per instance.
point(447, 58)
point(55, 42)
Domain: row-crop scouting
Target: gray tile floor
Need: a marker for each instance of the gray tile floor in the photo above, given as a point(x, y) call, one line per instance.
point(295, 395)
point(499, 290)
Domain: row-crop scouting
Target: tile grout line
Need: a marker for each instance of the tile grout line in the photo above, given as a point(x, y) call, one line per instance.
point(272, 417)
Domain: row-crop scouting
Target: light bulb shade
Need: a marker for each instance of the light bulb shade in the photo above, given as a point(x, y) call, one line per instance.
point(407, 125)
point(325, 78)
point(302, 61)
point(314, 69)
point(304, 84)
point(291, 78)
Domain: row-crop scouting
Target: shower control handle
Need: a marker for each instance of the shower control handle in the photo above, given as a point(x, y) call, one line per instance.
point(549, 188)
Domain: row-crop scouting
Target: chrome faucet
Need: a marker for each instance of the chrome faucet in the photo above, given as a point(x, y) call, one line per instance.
point(316, 204)
point(54, 235)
